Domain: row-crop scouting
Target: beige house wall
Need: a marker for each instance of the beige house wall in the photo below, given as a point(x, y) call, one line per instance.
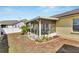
point(64, 27)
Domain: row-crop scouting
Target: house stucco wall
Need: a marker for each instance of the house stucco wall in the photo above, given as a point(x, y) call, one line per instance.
point(64, 27)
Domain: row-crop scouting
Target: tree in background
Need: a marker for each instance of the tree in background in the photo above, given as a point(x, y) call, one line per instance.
point(24, 20)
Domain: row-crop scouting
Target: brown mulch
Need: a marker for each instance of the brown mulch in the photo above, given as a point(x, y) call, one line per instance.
point(18, 45)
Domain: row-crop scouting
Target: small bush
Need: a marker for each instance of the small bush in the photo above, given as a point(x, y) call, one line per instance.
point(42, 38)
point(24, 29)
point(38, 40)
point(45, 38)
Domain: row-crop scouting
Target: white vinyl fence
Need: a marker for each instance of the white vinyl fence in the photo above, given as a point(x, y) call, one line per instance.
point(10, 30)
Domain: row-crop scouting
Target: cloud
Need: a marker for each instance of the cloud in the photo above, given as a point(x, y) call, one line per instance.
point(8, 9)
point(46, 9)
point(11, 10)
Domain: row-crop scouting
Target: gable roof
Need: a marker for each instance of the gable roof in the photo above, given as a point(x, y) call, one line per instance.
point(9, 22)
point(72, 12)
point(45, 18)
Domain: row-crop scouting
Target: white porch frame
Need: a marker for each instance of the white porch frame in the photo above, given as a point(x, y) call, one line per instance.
point(39, 28)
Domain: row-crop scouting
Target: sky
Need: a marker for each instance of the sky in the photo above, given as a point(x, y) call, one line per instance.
point(29, 12)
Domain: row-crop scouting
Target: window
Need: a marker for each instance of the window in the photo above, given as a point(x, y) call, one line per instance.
point(76, 25)
point(3, 26)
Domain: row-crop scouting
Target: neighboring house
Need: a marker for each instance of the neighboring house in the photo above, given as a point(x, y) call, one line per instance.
point(7, 23)
point(65, 24)
point(10, 26)
point(19, 24)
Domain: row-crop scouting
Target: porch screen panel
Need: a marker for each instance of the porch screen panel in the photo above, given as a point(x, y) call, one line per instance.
point(36, 29)
point(44, 28)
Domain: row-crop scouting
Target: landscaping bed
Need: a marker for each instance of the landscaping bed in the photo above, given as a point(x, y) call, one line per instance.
point(19, 45)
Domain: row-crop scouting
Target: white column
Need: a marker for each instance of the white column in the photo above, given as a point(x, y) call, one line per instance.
point(39, 28)
point(49, 28)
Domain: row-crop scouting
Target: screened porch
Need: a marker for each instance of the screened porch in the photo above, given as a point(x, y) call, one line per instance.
point(42, 26)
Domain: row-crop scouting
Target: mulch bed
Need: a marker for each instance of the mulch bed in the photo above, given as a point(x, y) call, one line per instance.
point(52, 45)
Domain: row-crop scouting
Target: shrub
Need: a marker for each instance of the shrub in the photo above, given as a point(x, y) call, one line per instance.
point(24, 29)
point(42, 38)
point(39, 40)
point(45, 38)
